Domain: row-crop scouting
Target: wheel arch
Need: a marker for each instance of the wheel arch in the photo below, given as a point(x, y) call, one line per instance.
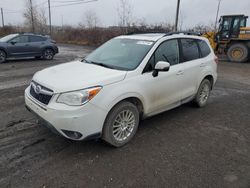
point(210, 78)
point(5, 51)
point(134, 99)
point(48, 47)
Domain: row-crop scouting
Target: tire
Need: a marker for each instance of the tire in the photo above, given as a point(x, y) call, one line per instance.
point(48, 54)
point(238, 53)
point(203, 93)
point(121, 124)
point(2, 56)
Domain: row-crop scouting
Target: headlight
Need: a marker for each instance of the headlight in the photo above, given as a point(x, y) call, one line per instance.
point(78, 98)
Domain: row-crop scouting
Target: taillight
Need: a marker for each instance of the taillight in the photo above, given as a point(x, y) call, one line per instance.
point(216, 59)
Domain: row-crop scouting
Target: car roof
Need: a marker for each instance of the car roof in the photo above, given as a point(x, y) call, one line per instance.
point(156, 36)
point(33, 34)
point(146, 36)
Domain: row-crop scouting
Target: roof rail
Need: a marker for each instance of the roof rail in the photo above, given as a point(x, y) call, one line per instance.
point(144, 32)
point(183, 32)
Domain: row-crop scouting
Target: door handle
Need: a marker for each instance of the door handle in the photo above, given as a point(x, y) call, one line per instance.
point(181, 72)
point(26, 44)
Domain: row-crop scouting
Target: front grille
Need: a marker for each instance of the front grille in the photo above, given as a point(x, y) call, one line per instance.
point(41, 96)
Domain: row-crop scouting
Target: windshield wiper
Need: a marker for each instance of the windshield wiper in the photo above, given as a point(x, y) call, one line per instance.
point(86, 61)
point(102, 64)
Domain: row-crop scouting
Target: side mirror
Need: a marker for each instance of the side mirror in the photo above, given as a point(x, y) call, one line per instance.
point(13, 42)
point(161, 66)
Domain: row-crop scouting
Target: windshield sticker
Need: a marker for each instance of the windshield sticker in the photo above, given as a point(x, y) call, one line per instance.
point(148, 43)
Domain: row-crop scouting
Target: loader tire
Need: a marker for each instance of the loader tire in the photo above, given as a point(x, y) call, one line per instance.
point(238, 53)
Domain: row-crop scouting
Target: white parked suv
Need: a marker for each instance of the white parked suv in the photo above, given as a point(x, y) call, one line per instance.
point(128, 78)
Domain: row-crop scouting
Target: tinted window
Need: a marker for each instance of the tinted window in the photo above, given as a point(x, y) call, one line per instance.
point(243, 22)
point(168, 51)
point(190, 50)
point(236, 25)
point(36, 39)
point(21, 39)
point(205, 50)
point(226, 24)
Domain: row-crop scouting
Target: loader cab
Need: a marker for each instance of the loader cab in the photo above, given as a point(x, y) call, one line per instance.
point(230, 25)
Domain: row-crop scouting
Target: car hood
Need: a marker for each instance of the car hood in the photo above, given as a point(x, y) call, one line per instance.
point(3, 43)
point(77, 75)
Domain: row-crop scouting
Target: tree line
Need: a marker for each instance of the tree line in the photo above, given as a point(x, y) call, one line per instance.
point(90, 31)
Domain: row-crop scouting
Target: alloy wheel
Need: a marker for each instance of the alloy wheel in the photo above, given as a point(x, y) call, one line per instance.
point(123, 125)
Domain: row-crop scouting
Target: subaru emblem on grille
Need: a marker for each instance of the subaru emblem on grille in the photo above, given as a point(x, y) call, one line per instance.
point(38, 89)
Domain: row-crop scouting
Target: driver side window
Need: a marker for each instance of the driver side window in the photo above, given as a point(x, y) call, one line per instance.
point(168, 51)
point(20, 39)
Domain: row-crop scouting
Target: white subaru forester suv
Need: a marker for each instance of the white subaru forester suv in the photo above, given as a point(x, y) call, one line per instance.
point(128, 78)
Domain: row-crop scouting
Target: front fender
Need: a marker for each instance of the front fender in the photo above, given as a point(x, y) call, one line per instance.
point(112, 94)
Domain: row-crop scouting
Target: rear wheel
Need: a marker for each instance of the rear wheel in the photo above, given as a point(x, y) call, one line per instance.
point(203, 93)
point(48, 54)
point(121, 124)
point(2, 56)
point(238, 53)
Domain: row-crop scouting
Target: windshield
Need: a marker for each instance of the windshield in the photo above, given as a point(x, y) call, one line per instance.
point(8, 37)
point(121, 54)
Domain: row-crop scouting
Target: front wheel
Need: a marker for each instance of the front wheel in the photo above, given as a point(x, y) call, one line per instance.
point(203, 93)
point(48, 54)
point(2, 56)
point(121, 124)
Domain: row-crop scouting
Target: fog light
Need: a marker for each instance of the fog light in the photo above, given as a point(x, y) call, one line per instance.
point(72, 134)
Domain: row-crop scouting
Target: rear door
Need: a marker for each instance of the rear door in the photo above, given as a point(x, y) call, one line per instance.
point(192, 66)
point(36, 43)
point(19, 46)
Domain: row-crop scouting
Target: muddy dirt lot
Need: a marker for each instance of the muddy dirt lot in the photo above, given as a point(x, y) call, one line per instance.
point(184, 147)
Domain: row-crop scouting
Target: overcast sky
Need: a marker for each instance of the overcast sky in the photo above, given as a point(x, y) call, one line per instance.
point(155, 11)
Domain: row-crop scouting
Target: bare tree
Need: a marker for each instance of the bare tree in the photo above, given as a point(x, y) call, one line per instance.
point(91, 19)
point(42, 21)
point(203, 28)
point(35, 19)
point(124, 11)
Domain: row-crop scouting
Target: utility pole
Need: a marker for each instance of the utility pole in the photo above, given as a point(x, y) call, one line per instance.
point(217, 15)
point(32, 16)
point(177, 15)
point(50, 28)
point(2, 17)
point(62, 20)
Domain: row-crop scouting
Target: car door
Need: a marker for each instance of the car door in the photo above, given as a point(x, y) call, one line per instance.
point(19, 46)
point(192, 66)
point(164, 91)
point(36, 43)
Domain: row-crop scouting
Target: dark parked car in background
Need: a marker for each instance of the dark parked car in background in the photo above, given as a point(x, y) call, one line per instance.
point(27, 45)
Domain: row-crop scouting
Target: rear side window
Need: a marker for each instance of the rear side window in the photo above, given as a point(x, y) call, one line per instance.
point(36, 39)
point(205, 50)
point(190, 50)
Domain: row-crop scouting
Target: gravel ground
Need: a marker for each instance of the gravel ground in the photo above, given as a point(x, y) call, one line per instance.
point(184, 147)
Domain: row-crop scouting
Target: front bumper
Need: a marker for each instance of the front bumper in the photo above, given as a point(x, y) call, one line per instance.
point(56, 50)
point(87, 120)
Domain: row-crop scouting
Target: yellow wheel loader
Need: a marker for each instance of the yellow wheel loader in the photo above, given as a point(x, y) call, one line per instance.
point(232, 38)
